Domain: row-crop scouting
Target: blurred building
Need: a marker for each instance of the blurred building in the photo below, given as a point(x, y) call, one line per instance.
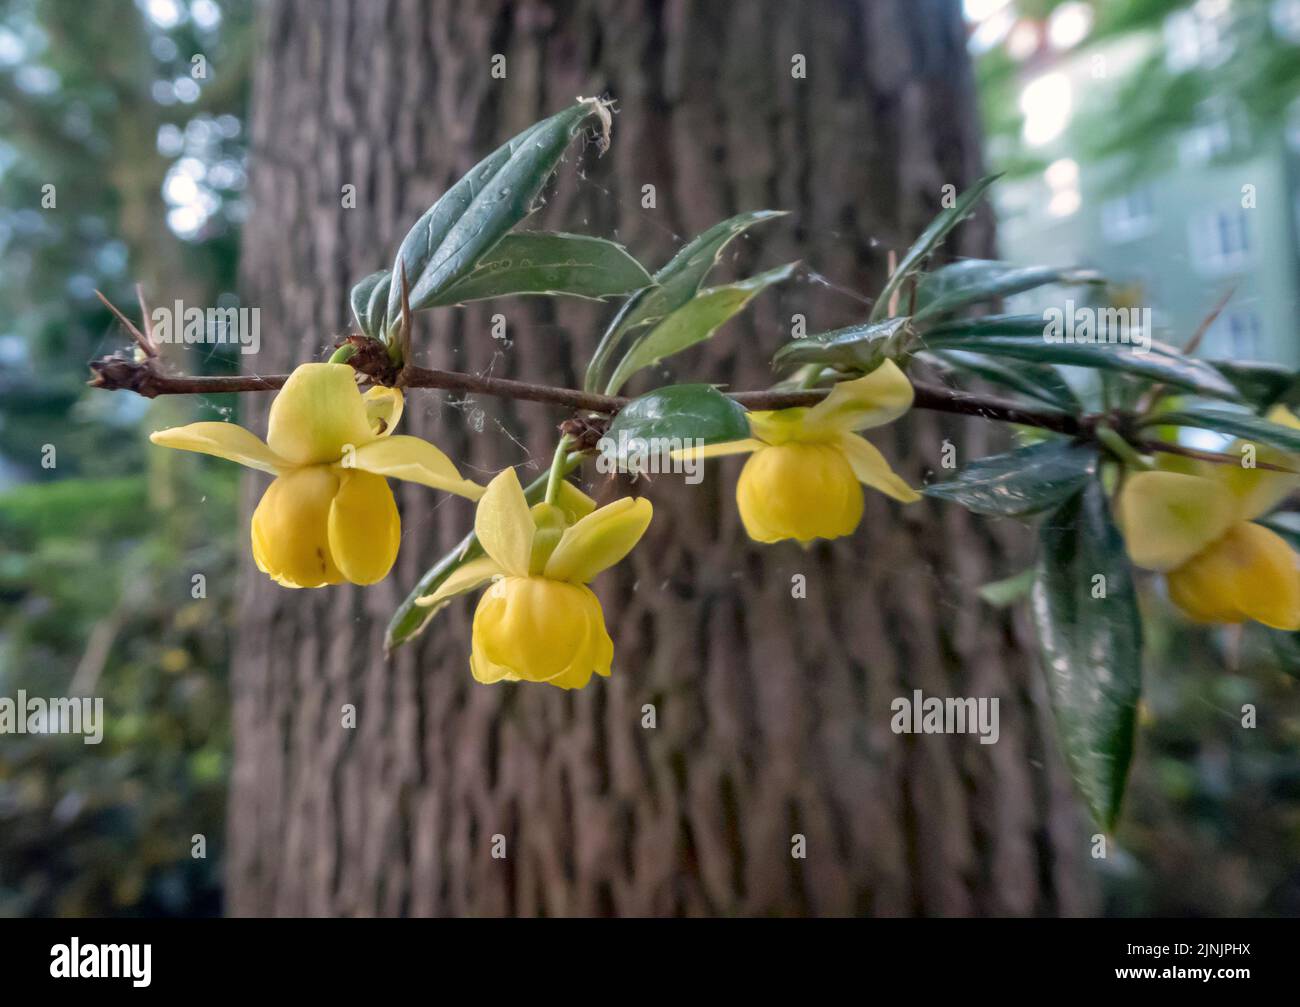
point(1212, 205)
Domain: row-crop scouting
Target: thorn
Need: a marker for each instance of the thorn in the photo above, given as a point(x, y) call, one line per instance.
point(145, 319)
point(1194, 343)
point(144, 342)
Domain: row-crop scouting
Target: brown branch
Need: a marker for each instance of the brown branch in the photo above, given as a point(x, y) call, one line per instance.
point(145, 378)
point(1217, 457)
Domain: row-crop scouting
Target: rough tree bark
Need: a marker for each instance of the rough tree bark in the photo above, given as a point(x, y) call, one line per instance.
point(772, 712)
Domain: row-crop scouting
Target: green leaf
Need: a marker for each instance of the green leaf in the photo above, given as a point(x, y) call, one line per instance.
point(477, 211)
point(1038, 381)
point(675, 284)
point(1006, 592)
point(361, 302)
point(1244, 425)
point(674, 417)
point(863, 347)
point(546, 263)
point(1021, 482)
point(1091, 646)
point(694, 322)
point(1287, 648)
point(927, 242)
point(974, 280)
point(1260, 384)
point(1022, 337)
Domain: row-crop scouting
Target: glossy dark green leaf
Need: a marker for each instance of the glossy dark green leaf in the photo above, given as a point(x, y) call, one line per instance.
point(694, 322)
point(1022, 337)
point(1038, 381)
point(863, 347)
point(971, 281)
point(369, 291)
point(1022, 482)
point(1090, 635)
point(477, 211)
point(927, 242)
point(951, 332)
point(677, 416)
point(1287, 648)
point(674, 284)
point(1244, 425)
point(377, 308)
point(549, 263)
point(1260, 384)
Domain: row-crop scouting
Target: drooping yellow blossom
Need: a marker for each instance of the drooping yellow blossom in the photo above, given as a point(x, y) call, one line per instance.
point(1196, 527)
point(538, 621)
point(329, 515)
point(804, 478)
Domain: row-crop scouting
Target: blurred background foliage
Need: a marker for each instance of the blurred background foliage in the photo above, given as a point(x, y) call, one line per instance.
point(145, 149)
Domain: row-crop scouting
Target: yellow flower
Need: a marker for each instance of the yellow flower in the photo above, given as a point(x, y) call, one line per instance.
point(803, 479)
point(1196, 527)
point(538, 621)
point(329, 515)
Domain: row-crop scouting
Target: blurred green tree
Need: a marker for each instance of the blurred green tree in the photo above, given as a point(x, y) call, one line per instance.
point(118, 163)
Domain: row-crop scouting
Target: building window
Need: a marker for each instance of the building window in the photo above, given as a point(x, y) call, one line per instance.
point(1129, 216)
point(1220, 241)
point(1220, 128)
point(1197, 38)
point(1204, 142)
point(1285, 15)
point(1241, 335)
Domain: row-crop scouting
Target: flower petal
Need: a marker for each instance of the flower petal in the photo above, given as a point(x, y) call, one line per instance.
point(872, 401)
point(599, 540)
point(740, 447)
point(1256, 491)
point(871, 468)
point(575, 503)
point(383, 409)
point(1168, 517)
point(539, 630)
point(463, 579)
point(364, 527)
point(1249, 573)
point(504, 525)
point(225, 440)
point(415, 460)
point(290, 528)
point(318, 412)
point(800, 491)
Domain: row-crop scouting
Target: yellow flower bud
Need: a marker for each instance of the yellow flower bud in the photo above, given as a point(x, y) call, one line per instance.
point(534, 629)
point(329, 515)
point(799, 491)
point(1249, 573)
point(805, 478)
point(1196, 526)
point(538, 621)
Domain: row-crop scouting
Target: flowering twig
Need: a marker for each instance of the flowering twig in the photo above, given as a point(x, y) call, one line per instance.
point(145, 378)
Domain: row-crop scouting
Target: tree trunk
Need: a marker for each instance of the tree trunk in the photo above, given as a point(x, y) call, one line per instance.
point(772, 713)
